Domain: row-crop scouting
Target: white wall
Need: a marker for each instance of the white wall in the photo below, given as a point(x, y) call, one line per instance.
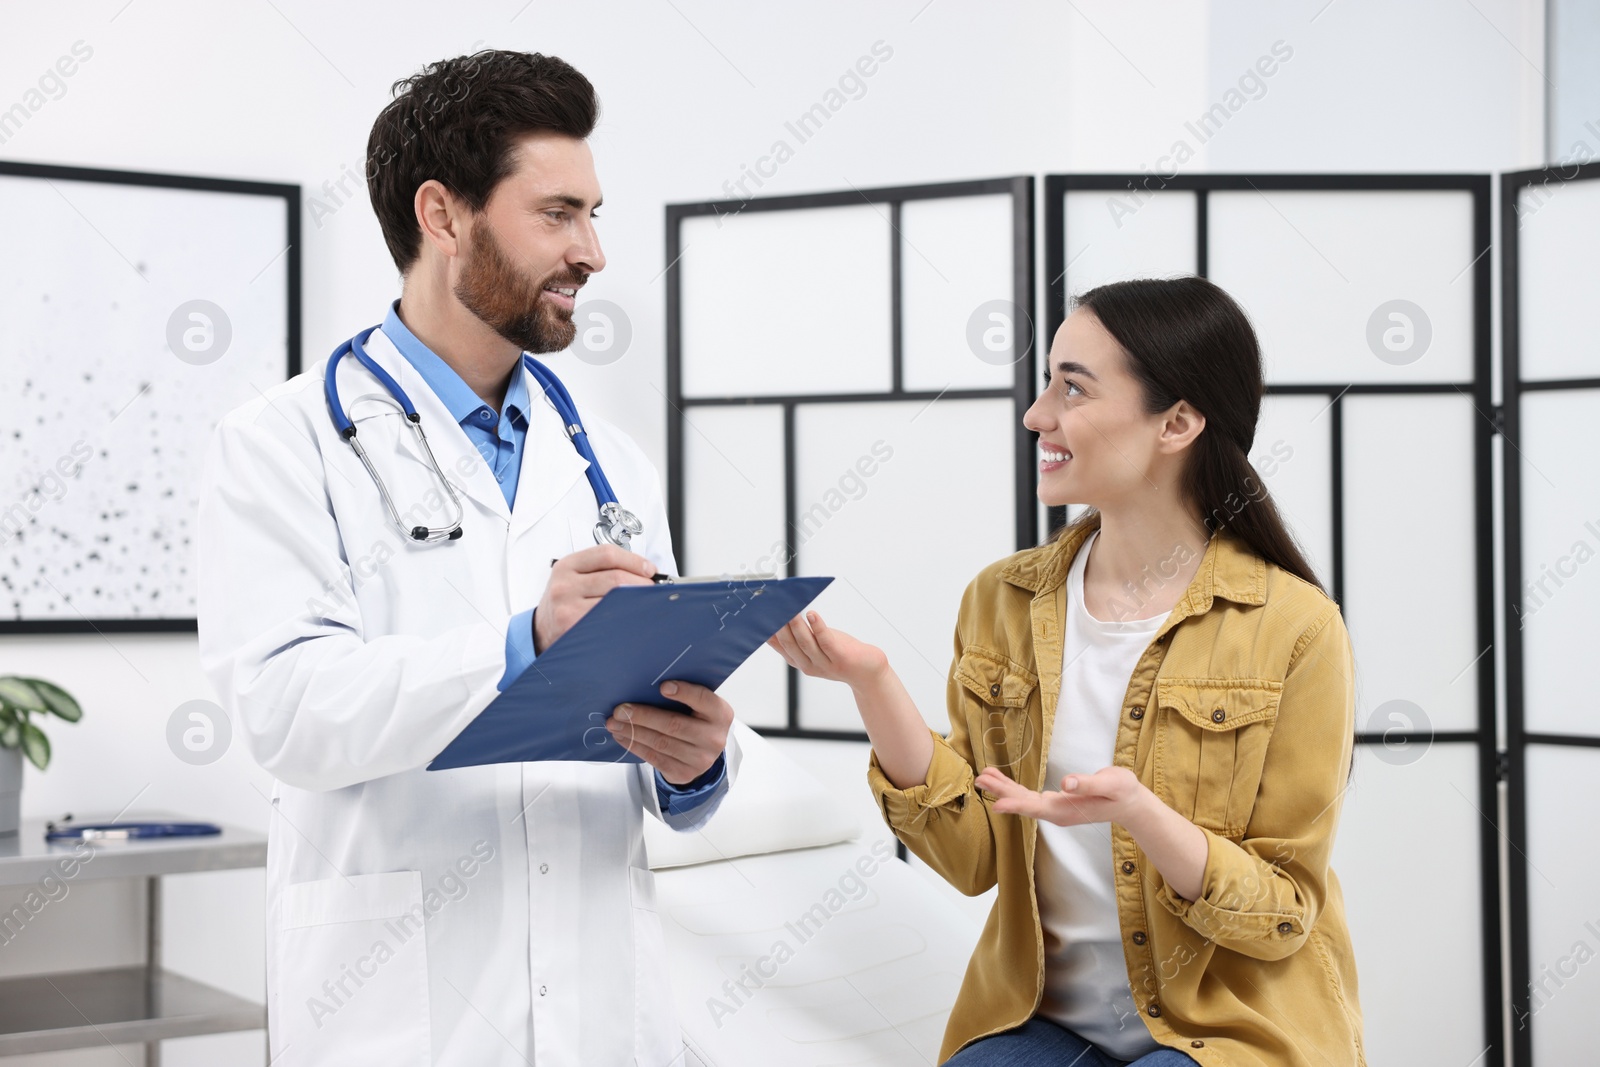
point(692, 92)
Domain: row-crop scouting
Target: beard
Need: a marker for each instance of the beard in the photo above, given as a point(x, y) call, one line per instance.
point(493, 289)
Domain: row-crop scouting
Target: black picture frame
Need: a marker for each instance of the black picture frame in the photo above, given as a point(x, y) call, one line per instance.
point(290, 262)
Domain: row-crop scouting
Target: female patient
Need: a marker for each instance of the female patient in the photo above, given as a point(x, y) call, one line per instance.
point(1150, 732)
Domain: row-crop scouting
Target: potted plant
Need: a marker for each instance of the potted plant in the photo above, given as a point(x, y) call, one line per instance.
point(20, 700)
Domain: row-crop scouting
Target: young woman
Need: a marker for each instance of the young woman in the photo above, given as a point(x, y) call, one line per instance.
point(1151, 726)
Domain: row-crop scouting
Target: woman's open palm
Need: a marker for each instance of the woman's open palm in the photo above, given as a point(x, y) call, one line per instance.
point(1107, 795)
point(812, 647)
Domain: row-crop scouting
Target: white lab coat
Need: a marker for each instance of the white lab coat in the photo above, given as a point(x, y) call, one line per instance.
point(473, 917)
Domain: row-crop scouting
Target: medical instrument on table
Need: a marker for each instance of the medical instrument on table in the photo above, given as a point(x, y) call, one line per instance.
point(125, 831)
point(617, 525)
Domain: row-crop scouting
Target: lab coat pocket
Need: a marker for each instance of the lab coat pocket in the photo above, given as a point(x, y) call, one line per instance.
point(1211, 745)
point(656, 1033)
point(352, 973)
point(1001, 716)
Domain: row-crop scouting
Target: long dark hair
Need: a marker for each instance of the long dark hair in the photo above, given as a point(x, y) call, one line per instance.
point(1185, 338)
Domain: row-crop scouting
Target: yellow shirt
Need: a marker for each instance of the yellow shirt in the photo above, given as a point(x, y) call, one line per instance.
point(1240, 715)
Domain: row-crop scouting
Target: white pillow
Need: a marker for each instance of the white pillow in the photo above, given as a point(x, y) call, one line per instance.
point(773, 805)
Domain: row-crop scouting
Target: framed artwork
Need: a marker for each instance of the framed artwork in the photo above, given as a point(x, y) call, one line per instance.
point(139, 309)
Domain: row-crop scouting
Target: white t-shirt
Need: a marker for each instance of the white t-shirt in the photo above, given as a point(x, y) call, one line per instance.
point(1086, 975)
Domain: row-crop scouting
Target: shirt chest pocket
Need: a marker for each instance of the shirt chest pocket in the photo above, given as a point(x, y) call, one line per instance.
point(1000, 718)
point(1210, 746)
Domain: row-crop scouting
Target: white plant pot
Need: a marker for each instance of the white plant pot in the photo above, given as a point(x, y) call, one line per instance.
point(10, 790)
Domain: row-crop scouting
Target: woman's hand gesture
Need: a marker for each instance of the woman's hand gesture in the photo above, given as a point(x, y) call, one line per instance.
point(1111, 794)
point(808, 645)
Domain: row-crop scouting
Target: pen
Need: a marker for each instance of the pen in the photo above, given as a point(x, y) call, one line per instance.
point(127, 831)
point(667, 579)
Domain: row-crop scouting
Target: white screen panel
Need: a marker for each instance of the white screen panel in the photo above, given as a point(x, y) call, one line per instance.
point(1563, 919)
point(733, 523)
point(1558, 258)
point(1405, 825)
point(955, 263)
point(1293, 455)
point(782, 302)
point(1560, 558)
point(1409, 551)
point(904, 540)
point(1320, 272)
point(1111, 235)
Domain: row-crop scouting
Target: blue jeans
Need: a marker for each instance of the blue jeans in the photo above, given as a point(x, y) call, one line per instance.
point(1041, 1043)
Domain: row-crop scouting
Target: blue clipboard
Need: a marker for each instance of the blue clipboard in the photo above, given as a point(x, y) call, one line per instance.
point(634, 639)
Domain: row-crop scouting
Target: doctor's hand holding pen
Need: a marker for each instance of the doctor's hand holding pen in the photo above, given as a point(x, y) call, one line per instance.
point(894, 725)
point(577, 582)
point(682, 747)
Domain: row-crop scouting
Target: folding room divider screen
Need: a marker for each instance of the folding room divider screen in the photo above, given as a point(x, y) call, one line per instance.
point(1550, 255)
point(1370, 294)
point(846, 374)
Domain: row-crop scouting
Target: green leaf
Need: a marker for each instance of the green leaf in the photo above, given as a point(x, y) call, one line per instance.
point(35, 745)
point(18, 693)
point(60, 701)
point(10, 733)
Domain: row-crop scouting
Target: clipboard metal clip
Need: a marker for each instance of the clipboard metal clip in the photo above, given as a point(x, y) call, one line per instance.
point(667, 579)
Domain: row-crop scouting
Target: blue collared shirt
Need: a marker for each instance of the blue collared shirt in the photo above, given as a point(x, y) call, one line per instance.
point(499, 439)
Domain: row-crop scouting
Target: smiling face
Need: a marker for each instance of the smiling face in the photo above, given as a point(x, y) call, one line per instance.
point(534, 245)
point(1097, 445)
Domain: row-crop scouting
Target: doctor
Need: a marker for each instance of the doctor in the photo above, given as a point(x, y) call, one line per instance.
point(489, 915)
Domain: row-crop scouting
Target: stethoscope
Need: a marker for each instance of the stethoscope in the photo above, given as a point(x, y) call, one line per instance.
point(617, 525)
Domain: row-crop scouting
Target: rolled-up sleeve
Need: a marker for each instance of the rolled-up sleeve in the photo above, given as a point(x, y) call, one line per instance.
point(949, 783)
point(1261, 895)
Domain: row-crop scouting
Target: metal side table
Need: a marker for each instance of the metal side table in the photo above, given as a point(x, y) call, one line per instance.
point(119, 1005)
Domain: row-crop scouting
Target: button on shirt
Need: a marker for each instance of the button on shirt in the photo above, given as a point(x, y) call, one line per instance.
point(499, 437)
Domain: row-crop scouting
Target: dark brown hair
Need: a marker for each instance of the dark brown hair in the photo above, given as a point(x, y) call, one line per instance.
point(455, 121)
point(1185, 338)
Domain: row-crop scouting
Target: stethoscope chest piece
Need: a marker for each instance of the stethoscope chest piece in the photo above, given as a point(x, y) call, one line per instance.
point(617, 526)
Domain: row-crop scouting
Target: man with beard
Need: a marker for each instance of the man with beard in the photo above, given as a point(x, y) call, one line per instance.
point(355, 615)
